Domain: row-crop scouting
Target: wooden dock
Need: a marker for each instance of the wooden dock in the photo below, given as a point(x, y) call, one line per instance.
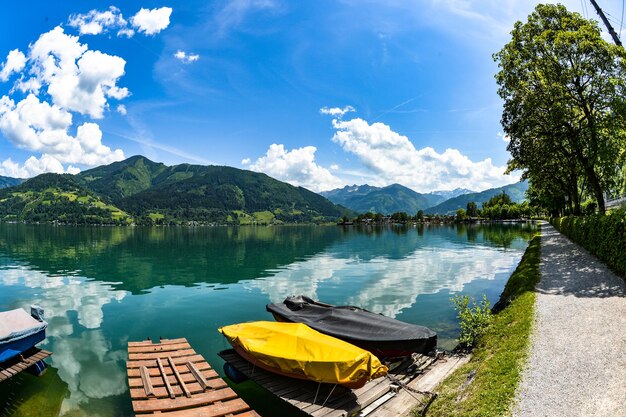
point(24, 361)
point(375, 399)
point(170, 379)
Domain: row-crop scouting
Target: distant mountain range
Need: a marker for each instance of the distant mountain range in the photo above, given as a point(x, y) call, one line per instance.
point(138, 190)
point(142, 191)
point(387, 200)
point(397, 198)
point(446, 195)
point(516, 191)
point(9, 182)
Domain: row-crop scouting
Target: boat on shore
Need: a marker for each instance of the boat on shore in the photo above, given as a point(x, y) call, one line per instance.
point(295, 350)
point(383, 336)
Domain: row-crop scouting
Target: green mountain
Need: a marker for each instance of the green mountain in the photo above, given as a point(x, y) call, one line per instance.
point(57, 198)
point(122, 179)
point(515, 191)
point(9, 182)
point(145, 192)
point(386, 200)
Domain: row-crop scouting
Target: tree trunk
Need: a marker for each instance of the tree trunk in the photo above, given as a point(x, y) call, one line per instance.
point(597, 189)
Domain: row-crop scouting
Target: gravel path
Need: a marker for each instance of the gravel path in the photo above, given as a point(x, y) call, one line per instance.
point(577, 363)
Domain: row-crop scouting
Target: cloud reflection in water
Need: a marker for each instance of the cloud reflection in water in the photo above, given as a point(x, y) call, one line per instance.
point(388, 286)
point(82, 354)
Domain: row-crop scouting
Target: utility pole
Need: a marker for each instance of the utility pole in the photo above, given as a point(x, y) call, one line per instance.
point(606, 23)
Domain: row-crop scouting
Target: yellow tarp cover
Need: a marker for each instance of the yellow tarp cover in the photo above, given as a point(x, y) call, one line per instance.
point(295, 348)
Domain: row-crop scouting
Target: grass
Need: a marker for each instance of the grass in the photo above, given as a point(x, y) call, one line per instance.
point(498, 359)
point(258, 217)
point(156, 216)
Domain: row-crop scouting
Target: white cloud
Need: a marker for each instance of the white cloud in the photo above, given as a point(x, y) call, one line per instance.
point(78, 79)
point(128, 32)
point(392, 158)
point(245, 161)
point(41, 127)
point(151, 21)
point(96, 22)
point(337, 111)
point(121, 109)
point(186, 58)
point(504, 137)
point(33, 167)
point(297, 167)
point(16, 60)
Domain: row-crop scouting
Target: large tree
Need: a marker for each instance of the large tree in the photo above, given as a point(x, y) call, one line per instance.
point(564, 103)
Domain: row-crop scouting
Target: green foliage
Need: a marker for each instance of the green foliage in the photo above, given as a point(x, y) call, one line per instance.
point(474, 320)
point(472, 209)
point(499, 357)
point(461, 214)
point(564, 107)
point(400, 217)
point(602, 235)
point(56, 198)
point(498, 200)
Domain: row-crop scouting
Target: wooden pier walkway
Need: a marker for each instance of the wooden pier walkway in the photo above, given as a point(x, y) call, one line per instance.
point(378, 398)
point(170, 379)
point(16, 365)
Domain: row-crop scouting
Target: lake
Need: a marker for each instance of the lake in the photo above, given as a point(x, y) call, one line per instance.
point(104, 286)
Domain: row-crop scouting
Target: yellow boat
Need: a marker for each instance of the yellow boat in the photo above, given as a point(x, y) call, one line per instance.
point(296, 350)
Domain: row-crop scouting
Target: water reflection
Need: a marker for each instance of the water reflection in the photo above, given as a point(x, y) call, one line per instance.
point(73, 308)
point(101, 287)
point(384, 285)
point(137, 259)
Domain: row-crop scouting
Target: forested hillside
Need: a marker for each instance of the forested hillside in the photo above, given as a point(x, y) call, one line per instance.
point(141, 191)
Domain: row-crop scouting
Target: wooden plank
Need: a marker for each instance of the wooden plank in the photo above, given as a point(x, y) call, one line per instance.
point(161, 355)
point(236, 407)
point(180, 381)
point(161, 348)
point(182, 368)
point(205, 398)
point(167, 383)
point(152, 362)
point(161, 342)
point(24, 361)
point(161, 392)
point(211, 377)
point(188, 374)
point(145, 380)
point(198, 375)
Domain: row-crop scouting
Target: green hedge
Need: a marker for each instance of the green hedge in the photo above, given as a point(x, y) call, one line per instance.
point(603, 236)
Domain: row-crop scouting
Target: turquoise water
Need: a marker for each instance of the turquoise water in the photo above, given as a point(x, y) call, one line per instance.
point(102, 287)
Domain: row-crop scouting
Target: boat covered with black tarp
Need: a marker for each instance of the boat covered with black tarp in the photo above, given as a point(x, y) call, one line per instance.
point(381, 335)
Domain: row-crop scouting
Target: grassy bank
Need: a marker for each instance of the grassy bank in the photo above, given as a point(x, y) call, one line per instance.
point(486, 385)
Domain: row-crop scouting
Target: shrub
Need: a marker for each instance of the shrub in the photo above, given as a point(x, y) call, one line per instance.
point(603, 236)
point(475, 319)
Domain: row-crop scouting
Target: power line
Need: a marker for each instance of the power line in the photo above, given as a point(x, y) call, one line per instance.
point(622, 20)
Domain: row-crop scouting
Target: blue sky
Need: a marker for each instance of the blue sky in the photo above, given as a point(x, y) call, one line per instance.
point(316, 93)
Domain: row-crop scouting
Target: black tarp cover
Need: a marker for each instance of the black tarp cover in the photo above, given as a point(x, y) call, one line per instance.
point(361, 327)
